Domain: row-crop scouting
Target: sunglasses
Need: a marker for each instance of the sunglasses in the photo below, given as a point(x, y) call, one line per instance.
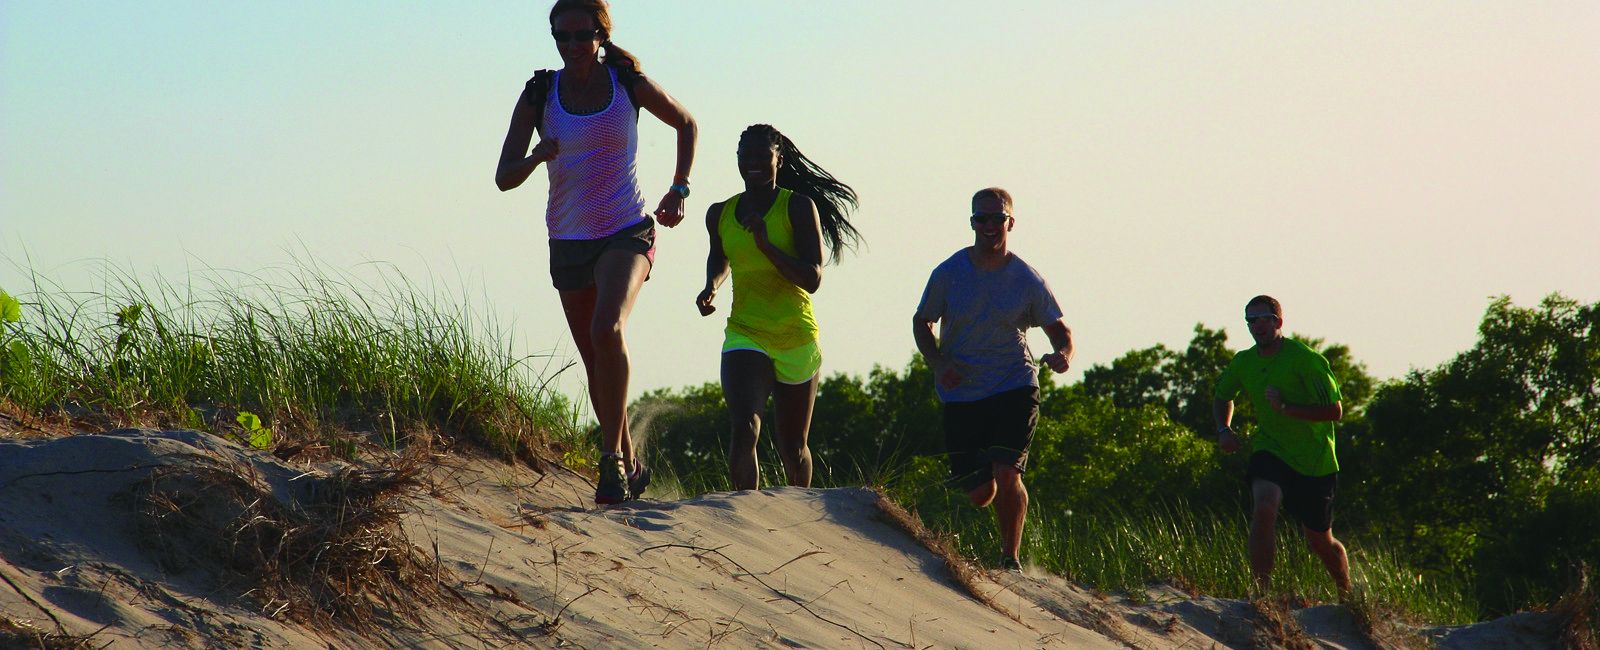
point(993, 217)
point(579, 35)
point(1252, 318)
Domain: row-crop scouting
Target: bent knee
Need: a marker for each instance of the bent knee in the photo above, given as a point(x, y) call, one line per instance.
point(1007, 477)
point(743, 420)
point(983, 494)
point(745, 434)
point(605, 333)
point(1267, 510)
point(794, 450)
point(1320, 539)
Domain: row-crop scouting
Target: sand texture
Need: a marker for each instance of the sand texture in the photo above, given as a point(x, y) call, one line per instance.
point(139, 538)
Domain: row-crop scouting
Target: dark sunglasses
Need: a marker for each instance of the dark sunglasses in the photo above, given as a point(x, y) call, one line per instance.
point(1251, 319)
point(993, 217)
point(579, 35)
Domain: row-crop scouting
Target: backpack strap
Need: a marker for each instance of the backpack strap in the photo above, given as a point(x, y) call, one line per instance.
point(628, 78)
point(536, 92)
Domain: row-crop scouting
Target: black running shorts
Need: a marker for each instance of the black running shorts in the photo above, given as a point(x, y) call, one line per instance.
point(995, 429)
point(572, 260)
point(1308, 499)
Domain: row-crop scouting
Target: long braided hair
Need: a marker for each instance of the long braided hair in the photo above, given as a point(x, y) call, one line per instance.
point(798, 173)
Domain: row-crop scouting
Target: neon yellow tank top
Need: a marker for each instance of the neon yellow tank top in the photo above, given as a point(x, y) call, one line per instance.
point(767, 307)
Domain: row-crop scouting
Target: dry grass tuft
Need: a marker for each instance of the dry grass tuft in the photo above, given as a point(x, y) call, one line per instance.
point(1383, 626)
point(1276, 627)
point(331, 553)
point(17, 422)
point(14, 634)
point(1579, 612)
point(962, 571)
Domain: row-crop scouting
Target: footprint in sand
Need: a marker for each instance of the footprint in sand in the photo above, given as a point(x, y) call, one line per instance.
point(652, 520)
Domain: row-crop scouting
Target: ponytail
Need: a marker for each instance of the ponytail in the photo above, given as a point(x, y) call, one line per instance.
point(620, 59)
point(834, 199)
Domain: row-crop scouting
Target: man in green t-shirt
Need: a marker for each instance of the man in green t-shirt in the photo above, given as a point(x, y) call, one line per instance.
point(1296, 401)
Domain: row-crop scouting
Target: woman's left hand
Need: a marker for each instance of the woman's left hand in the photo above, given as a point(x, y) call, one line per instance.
point(670, 211)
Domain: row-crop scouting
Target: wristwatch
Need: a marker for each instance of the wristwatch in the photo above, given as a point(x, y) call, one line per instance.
point(681, 188)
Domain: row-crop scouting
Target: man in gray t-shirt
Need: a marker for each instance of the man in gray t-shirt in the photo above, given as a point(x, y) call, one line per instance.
point(985, 299)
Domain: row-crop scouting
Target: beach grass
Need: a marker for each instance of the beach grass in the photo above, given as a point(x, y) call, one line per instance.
point(1125, 551)
point(1203, 552)
point(310, 352)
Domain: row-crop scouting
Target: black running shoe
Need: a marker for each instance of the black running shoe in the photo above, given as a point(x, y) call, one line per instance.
point(1008, 563)
point(613, 487)
point(639, 480)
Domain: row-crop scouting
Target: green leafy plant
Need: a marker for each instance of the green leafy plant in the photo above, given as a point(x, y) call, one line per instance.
point(10, 309)
point(14, 355)
point(259, 437)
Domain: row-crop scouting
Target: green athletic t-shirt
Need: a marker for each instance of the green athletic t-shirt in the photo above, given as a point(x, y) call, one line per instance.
point(1304, 378)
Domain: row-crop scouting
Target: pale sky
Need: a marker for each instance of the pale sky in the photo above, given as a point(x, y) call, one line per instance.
point(1382, 168)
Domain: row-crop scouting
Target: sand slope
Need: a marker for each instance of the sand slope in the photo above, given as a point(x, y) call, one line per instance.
point(519, 560)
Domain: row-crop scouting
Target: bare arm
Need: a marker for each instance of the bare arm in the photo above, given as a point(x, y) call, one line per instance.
point(927, 343)
point(1324, 413)
point(1060, 358)
point(653, 98)
point(1222, 413)
point(1310, 413)
point(716, 262)
point(515, 167)
point(804, 268)
point(944, 372)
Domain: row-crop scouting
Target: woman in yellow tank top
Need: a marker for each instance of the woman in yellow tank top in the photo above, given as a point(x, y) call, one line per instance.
point(771, 236)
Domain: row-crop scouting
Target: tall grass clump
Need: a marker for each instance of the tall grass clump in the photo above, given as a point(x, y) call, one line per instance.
point(310, 350)
point(1117, 550)
point(1206, 550)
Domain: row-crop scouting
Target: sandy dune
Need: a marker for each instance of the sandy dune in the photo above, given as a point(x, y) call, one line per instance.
point(509, 557)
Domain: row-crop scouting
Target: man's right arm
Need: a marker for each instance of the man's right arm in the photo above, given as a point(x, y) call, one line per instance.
point(931, 308)
point(1222, 409)
point(927, 344)
point(944, 372)
point(1222, 412)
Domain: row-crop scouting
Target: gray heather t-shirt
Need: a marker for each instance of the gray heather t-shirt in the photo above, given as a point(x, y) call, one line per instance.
point(983, 321)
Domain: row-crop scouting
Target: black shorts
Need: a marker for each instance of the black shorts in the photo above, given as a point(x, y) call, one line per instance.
point(995, 429)
point(572, 260)
point(1308, 499)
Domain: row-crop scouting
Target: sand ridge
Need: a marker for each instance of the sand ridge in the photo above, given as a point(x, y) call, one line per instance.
point(518, 558)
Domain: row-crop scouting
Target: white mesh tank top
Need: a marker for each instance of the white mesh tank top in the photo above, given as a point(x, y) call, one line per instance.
point(594, 191)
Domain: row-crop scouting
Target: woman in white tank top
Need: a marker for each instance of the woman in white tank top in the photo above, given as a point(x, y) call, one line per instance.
point(602, 241)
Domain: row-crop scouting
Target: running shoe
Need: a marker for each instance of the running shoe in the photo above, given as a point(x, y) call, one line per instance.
point(613, 487)
point(639, 479)
point(1008, 563)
